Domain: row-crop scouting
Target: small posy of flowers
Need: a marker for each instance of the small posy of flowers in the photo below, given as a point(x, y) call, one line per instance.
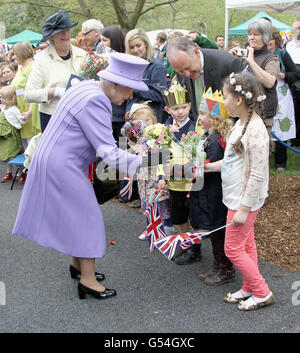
point(92, 64)
point(190, 142)
point(158, 135)
point(133, 130)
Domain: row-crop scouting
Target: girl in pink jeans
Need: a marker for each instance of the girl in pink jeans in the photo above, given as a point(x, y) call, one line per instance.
point(245, 176)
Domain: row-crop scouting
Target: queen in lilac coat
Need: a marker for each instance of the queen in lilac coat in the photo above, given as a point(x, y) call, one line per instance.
point(58, 207)
point(58, 195)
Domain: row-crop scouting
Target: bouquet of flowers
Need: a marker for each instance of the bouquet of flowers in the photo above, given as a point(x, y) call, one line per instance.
point(158, 135)
point(133, 130)
point(92, 64)
point(191, 143)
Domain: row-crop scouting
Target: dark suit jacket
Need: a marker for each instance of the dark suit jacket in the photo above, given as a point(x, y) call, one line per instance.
point(218, 64)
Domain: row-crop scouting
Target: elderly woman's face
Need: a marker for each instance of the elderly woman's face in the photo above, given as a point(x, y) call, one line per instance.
point(255, 40)
point(8, 74)
point(137, 47)
point(120, 94)
point(62, 39)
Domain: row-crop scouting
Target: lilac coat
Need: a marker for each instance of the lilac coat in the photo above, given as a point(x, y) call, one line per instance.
point(58, 207)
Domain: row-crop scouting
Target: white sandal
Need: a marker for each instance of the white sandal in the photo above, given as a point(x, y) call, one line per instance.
point(252, 304)
point(236, 297)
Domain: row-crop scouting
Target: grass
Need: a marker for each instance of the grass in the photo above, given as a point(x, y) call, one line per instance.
point(293, 164)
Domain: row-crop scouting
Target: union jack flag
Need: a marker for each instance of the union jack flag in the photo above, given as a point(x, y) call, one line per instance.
point(168, 245)
point(155, 228)
point(126, 190)
point(193, 238)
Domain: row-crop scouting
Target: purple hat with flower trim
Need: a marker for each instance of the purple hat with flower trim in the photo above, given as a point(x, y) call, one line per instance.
point(126, 70)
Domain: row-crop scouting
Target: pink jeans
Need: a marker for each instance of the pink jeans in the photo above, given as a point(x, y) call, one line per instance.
point(240, 248)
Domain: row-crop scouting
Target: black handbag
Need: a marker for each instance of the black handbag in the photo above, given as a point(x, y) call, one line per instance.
point(105, 190)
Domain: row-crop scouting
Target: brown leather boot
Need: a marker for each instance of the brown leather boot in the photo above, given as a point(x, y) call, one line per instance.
point(215, 266)
point(226, 273)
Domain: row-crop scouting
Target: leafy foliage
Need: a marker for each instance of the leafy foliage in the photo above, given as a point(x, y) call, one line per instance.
point(205, 16)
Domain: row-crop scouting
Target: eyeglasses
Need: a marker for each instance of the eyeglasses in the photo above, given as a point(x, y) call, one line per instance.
point(86, 33)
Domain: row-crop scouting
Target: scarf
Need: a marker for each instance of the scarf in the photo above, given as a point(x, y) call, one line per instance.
point(279, 52)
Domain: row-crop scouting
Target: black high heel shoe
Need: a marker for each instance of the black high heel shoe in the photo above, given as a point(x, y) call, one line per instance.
point(75, 274)
point(83, 290)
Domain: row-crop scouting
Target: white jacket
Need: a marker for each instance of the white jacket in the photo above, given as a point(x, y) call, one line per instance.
point(49, 70)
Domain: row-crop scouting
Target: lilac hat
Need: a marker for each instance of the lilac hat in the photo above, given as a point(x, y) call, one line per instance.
point(126, 70)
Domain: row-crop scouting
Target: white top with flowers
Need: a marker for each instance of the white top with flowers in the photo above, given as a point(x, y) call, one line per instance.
point(245, 176)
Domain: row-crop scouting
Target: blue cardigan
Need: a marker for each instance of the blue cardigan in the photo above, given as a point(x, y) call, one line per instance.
point(155, 77)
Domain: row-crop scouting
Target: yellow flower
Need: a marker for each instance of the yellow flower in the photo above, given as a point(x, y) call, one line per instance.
point(158, 129)
point(148, 130)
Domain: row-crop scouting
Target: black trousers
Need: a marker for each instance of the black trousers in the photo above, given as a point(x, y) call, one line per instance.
point(280, 155)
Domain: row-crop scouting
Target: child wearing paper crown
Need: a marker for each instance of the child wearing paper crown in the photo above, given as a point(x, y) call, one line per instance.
point(207, 211)
point(148, 179)
point(245, 176)
point(10, 125)
point(178, 106)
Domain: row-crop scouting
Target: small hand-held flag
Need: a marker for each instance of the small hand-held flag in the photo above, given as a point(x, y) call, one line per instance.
point(155, 228)
point(126, 189)
point(169, 245)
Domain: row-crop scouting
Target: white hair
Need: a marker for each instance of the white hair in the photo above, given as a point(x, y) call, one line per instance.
point(107, 83)
point(93, 24)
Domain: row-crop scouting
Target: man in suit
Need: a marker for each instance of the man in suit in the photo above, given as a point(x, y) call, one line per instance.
point(161, 40)
point(198, 69)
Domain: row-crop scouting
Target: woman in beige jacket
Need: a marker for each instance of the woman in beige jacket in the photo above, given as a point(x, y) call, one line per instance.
point(53, 66)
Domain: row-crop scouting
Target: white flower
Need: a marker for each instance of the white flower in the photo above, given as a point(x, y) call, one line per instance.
point(232, 81)
point(238, 88)
point(151, 143)
point(248, 95)
point(231, 75)
point(261, 98)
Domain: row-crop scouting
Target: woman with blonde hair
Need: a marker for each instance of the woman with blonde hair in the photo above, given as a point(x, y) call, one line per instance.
point(8, 72)
point(138, 44)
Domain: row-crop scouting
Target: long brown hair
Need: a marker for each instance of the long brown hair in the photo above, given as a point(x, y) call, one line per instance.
point(250, 90)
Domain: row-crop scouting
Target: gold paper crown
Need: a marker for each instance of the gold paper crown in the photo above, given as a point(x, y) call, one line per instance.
point(213, 103)
point(176, 94)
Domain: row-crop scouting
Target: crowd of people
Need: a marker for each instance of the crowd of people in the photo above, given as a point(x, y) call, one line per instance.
point(254, 92)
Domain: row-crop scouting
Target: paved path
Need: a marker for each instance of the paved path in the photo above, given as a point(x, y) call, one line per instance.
point(154, 295)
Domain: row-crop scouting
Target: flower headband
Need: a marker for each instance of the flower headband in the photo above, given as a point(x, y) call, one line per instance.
point(238, 88)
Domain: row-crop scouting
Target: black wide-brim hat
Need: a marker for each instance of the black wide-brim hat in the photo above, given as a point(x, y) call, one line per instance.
point(56, 23)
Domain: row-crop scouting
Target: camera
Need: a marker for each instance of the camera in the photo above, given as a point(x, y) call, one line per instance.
point(242, 52)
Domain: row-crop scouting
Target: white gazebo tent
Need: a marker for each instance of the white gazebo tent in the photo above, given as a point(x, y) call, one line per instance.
point(259, 5)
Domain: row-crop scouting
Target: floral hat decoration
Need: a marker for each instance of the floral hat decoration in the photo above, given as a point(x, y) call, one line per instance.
point(176, 94)
point(238, 88)
point(213, 103)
